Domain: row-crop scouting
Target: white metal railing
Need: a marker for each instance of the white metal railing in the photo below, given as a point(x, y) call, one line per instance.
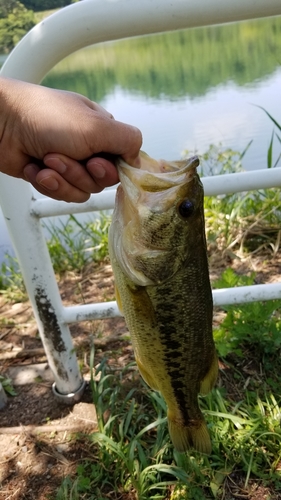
point(213, 186)
point(66, 31)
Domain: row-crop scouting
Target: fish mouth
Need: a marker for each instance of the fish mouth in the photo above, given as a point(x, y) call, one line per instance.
point(158, 175)
point(156, 184)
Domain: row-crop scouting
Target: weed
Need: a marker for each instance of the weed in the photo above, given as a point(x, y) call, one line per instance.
point(11, 281)
point(7, 385)
point(218, 160)
point(256, 325)
point(72, 244)
point(270, 163)
point(132, 457)
point(68, 490)
point(241, 221)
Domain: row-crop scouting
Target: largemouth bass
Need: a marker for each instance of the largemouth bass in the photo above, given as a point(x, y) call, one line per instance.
point(157, 248)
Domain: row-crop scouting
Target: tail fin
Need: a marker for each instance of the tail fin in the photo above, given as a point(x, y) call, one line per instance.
point(193, 436)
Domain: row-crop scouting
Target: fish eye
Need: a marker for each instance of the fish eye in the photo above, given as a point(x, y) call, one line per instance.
point(186, 208)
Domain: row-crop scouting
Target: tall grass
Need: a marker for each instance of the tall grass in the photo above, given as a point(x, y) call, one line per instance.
point(131, 456)
point(246, 222)
point(271, 163)
point(72, 244)
point(11, 281)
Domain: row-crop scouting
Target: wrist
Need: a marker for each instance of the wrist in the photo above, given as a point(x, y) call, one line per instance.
point(9, 103)
point(3, 106)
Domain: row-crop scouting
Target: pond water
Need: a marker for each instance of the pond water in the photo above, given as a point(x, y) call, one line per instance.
point(185, 90)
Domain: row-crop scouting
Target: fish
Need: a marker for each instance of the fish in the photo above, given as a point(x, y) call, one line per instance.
point(157, 248)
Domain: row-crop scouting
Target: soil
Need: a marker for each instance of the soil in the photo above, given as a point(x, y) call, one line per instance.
point(36, 446)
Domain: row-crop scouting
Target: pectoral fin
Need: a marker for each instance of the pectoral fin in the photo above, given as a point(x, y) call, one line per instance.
point(147, 377)
point(209, 380)
point(118, 299)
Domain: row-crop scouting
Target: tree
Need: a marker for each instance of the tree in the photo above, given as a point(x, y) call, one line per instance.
point(7, 6)
point(39, 5)
point(15, 22)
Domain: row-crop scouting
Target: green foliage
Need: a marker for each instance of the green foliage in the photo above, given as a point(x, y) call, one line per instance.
point(132, 457)
point(68, 490)
point(15, 22)
point(7, 384)
point(274, 135)
point(172, 65)
point(11, 281)
point(72, 245)
point(7, 6)
point(256, 325)
point(40, 5)
point(132, 453)
point(241, 221)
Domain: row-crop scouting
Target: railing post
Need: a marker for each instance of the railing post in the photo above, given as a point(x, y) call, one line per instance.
point(35, 263)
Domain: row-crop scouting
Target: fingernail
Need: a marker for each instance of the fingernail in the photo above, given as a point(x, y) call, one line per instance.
point(97, 169)
point(137, 162)
point(28, 172)
point(49, 183)
point(56, 164)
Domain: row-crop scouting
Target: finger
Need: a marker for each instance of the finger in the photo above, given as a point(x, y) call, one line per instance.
point(134, 162)
point(124, 140)
point(73, 172)
point(53, 185)
point(98, 173)
point(103, 171)
point(110, 136)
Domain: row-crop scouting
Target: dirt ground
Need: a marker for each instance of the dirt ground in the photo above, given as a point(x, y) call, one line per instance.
point(36, 449)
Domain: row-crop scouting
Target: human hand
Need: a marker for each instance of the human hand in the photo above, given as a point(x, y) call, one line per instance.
point(72, 138)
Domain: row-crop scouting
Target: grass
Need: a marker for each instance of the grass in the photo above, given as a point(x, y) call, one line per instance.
point(12, 286)
point(257, 324)
point(271, 163)
point(242, 222)
point(72, 245)
point(131, 455)
point(7, 384)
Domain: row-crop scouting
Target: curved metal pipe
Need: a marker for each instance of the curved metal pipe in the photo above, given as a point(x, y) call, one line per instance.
point(93, 21)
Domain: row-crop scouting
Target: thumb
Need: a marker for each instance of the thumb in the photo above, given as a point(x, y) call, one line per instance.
point(118, 138)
